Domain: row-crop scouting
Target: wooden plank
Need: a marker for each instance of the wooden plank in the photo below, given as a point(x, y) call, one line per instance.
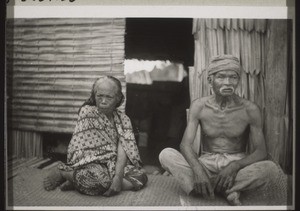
point(58, 87)
point(46, 128)
point(13, 162)
point(40, 162)
point(39, 159)
point(65, 21)
point(39, 38)
point(67, 109)
point(28, 162)
point(51, 165)
point(45, 115)
point(87, 52)
point(74, 32)
point(64, 76)
point(68, 129)
point(65, 63)
point(84, 69)
point(97, 44)
point(79, 96)
point(62, 28)
point(50, 102)
point(40, 121)
point(11, 174)
point(39, 88)
point(54, 82)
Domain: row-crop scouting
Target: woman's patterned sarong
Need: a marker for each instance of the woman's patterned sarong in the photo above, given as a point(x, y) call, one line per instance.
point(92, 152)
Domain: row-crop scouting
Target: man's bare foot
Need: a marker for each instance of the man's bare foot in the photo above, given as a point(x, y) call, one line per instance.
point(166, 173)
point(233, 199)
point(53, 180)
point(67, 185)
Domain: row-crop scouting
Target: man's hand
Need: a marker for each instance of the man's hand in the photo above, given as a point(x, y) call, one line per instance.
point(226, 177)
point(115, 187)
point(202, 184)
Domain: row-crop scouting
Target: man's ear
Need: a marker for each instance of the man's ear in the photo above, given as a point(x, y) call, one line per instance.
point(209, 79)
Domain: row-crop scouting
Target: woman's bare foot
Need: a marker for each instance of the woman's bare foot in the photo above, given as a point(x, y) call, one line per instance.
point(53, 180)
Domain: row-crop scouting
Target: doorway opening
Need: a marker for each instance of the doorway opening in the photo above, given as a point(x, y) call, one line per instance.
point(158, 52)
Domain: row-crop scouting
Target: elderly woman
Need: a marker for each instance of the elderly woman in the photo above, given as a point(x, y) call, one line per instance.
point(103, 157)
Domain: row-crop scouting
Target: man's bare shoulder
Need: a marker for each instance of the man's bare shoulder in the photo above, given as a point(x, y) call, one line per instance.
point(250, 106)
point(203, 100)
point(199, 103)
point(252, 109)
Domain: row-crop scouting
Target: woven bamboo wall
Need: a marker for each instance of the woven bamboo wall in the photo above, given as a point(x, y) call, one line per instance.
point(25, 144)
point(51, 65)
point(243, 38)
point(249, 40)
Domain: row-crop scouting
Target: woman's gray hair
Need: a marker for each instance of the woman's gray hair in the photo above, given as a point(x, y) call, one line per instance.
point(92, 100)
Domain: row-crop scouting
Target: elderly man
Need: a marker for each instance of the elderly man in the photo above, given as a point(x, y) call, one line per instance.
point(229, 124)
point(103, 157)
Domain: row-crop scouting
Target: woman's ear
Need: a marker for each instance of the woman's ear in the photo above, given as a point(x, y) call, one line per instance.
point(122, 98)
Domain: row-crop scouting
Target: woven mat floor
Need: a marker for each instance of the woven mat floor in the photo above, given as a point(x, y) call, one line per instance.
point(25, 189)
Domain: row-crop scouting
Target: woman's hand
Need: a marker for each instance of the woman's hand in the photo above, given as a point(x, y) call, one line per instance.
point(115, 187)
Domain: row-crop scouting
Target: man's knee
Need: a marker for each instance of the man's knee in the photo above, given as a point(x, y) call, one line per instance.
point(166, 155)
point(271, 168)
point(267, 169)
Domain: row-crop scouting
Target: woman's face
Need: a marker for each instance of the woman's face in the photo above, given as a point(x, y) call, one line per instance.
point(106, 95)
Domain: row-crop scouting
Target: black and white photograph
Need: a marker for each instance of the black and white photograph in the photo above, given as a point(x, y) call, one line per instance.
point(149, 112)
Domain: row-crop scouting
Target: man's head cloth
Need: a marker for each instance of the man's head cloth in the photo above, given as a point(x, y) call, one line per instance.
point(224, 62)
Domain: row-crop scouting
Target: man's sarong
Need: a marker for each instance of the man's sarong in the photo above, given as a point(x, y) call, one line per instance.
point(92, 151)
point(255, 175)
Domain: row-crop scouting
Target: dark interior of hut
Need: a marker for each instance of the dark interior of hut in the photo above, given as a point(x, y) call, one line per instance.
point(157, 110)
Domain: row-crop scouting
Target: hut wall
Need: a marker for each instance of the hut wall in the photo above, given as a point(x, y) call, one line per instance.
point(25, 144)
point(52, 64)
point(278, 86)
point(264, 75)
point(244, 39)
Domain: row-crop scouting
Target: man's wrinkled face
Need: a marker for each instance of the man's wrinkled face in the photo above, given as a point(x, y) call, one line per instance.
point(106, 94)
point(224, 82)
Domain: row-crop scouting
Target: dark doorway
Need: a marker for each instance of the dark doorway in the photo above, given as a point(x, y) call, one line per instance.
point(160, 39)
point(158, 110)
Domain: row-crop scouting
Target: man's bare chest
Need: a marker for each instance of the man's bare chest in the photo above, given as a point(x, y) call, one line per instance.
point(226, 123)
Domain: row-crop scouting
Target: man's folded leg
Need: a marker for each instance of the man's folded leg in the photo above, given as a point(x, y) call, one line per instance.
point(255, 175)
point(173, 162)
